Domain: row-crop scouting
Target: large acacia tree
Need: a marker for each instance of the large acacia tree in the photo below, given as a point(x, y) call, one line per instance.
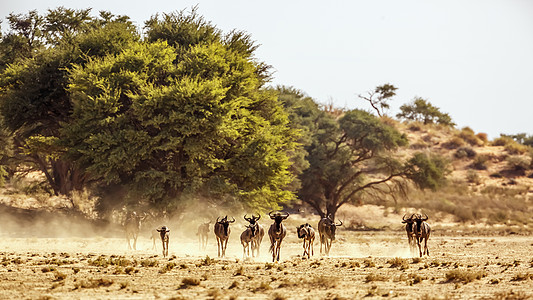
point(352, 156)
point(184, 110)
point(175, 115)
point(35, 56)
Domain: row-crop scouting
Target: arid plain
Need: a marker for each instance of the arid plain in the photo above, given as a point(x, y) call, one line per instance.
point(371, 264)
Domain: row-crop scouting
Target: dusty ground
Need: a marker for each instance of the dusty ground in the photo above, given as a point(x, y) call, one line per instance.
point(362, 264)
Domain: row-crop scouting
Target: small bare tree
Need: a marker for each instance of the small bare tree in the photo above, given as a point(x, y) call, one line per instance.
point(379, 97)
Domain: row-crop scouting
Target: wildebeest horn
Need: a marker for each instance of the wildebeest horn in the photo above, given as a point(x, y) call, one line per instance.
point(217, 219)
point(232, 221)
point(258, 217)
point(248, 219)
point(286, 215)
point(270, 215)
point(403, 218)
point(339, 224)
point(425, 219)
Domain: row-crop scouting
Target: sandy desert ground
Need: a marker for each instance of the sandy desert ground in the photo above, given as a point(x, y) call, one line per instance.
point(361, 265)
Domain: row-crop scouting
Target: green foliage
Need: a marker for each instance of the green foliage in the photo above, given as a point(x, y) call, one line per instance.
point(341, 155)
point(423, 111)
point(379, 98)
point(167, 126)
point(427, 171)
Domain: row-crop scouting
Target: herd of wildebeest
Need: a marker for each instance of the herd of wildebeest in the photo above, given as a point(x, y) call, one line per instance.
point(416, 227)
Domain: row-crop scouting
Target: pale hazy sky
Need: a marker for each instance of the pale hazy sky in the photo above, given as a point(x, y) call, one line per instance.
point(472, 59)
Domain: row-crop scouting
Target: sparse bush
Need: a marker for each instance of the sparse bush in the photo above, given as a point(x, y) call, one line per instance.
point(239, 271)
point(375, 277)
point(264, 286)
point(323, 281)
point(187, 282)
point(483, 137)
point(398, 262)
point(473, 177)
point(60, 276)
point(369, 263)
point(469, 136)
point(453, 143)
point(207, 261)
point(502, 141)
point(464, 276)
point(522, 277)
point(414, 126)
point(519, 163)
point(463, 152)
point(516, 148)
point(94, 283)
point(149, 263)
point(480, 162)
point(168, 267)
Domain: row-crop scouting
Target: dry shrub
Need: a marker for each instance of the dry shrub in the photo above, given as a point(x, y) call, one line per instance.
point(509, 295)
point(518, 162)
point(483, 137)
point(480, 162)
point(516, 148)
point(375, 277)
point(464, 276)
point(473, 177)
point(414, 126)
point(149, 263)
point(502, 141)
point(398, 262)
point(469, 136)
point(454, 143)
point(263, 286)
point(94, 283)
point(522, 277)
point(323, 281)
point(463, 152)
point(418, 146)
point(369, 263)
point(188, 282)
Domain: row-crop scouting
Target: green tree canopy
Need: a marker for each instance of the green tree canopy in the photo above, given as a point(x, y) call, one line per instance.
point(168, 124)
point(422, 111)
point(351, 157)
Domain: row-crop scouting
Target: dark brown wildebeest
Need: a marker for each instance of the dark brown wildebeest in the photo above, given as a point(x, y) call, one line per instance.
point(277, 232)
point(422, 232)
point(307, 233)
point(165, 237)
point(257, 238)
point(132, 226)
point(411, 239)
point(222, 232)
point(203, 233)
point(326, 231)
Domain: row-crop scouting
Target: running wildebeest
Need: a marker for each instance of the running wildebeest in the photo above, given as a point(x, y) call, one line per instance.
point(132, 226)
point(422, 232)
point(307, 233)
point(203, 233)
point(257, 238)
point(326, 231)
point(222, 232)
point(411, 239)
point(165, 237)
point(277, 232)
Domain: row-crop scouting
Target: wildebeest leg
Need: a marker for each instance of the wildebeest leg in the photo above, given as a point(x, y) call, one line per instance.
point(218, 246)
point(279, 250)
point(134, 242)
point(224, 249)
point(426, 250)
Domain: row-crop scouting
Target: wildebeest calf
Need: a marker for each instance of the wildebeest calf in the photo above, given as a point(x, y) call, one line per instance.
point(165, 236)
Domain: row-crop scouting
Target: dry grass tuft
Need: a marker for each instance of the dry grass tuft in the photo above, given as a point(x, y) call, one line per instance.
point(188, 282)
point(398, 262)
point(464, 276)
